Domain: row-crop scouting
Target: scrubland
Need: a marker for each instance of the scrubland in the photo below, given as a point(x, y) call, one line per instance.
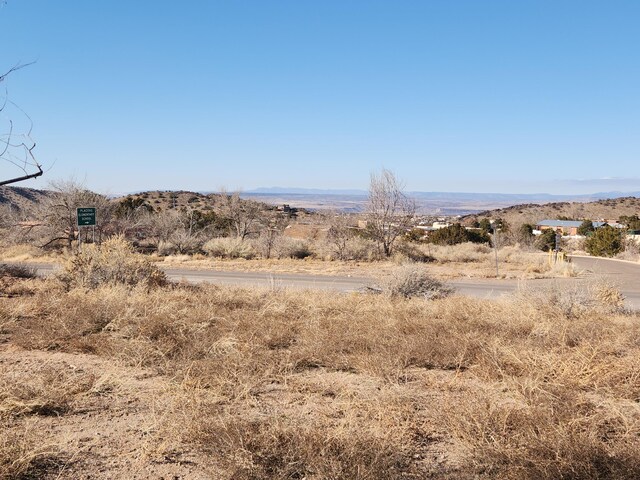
point(468, 260)
point(103, 376)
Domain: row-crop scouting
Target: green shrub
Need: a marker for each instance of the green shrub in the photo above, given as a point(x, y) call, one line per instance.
point(456, 234)
point(605, 242)
point(586, 228)
point(547, 240)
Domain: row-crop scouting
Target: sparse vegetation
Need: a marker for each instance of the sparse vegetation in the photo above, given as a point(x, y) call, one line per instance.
point(531, 213)
point(111, 263)
point(411, 281)
point(275, 384)
point(229, 248)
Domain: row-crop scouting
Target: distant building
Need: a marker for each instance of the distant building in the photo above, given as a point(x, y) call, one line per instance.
point(440, 224)
point(567, 227)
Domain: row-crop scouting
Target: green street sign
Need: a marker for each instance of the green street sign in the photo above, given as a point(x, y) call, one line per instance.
point(86, 216)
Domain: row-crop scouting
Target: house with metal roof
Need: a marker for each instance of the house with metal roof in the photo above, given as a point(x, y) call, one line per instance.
point(567, 227)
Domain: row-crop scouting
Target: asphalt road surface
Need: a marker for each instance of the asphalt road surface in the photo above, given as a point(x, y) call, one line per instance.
point(625, 275)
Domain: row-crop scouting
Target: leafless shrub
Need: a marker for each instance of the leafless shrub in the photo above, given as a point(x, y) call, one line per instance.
point(184, 241)
point(355, 249)
point(413, 253)
point(166, 248)
point(293, 248)
point(245, 215)
point(631, 250)
point(270, 236)
point(389, 211)
point(410, 281)
point(225, 247)
point(113, 262)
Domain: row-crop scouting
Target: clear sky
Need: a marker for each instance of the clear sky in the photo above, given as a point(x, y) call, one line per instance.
point(477, 95)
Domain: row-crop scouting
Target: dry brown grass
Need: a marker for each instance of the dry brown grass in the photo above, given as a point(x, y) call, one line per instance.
point(279, 384)
point(466, 260)
point(27, 254)
point(47, 392)
point(30, 393)
point(478, 260)
point(23, 455)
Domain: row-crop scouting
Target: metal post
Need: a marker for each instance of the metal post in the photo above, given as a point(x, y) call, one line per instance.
point(557, 249)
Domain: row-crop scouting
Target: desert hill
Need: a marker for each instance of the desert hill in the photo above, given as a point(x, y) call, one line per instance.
point(607, 209)
point(21, 198)
point(162, 200)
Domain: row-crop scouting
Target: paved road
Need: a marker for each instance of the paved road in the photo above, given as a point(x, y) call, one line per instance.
point(626, 275)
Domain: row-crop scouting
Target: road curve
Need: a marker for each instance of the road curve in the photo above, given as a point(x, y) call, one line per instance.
point(624, 274)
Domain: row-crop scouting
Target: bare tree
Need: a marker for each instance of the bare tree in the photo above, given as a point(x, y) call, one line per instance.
point(175, 231)
point(16, 144)
point(271, 234)
point(244, 215)
point(339, 234)
point(132, 216)
point(57, 214)
point(390, 213)
point(163, 224)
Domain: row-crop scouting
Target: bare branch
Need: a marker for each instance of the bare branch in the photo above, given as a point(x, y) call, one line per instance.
point(17, 148)
point(16, 67)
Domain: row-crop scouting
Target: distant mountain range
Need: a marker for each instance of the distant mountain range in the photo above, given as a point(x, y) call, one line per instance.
point(306, 191)
point(445, 203)
point(519, 197)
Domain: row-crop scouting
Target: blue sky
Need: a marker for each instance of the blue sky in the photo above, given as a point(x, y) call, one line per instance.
point(476, 96)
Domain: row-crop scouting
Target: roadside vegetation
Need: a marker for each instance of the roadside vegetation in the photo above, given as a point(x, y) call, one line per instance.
point(231, 383)
point(226, 231)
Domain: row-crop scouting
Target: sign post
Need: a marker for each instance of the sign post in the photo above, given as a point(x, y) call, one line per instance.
point(86, 217)
point(495, 246)
point(557, 247)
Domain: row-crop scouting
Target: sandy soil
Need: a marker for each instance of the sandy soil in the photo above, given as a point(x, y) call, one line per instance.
point(110, 432)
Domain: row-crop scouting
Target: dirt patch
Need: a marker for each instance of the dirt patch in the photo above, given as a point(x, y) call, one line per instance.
point(107, 430)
